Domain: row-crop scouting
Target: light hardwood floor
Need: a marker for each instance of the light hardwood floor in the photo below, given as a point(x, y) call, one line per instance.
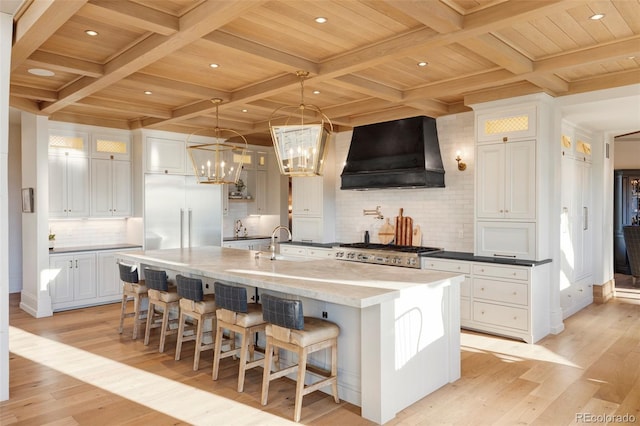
point(74, 368)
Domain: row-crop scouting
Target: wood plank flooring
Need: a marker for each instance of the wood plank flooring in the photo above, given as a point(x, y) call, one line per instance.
point(75, 369)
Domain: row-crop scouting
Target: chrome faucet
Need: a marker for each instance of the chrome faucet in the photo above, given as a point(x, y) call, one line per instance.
point(273, 239)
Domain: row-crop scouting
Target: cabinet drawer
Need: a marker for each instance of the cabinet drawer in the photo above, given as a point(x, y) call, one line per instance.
point(501, 272)
point(320, 253)
point(465, 309)
point(447, 266)
point(293, 250)
point(500, 291)
point(503, 316)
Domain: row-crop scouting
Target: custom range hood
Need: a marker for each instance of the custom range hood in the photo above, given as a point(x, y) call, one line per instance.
point(394, 154)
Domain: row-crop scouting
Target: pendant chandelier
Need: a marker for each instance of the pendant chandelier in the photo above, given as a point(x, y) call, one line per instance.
point(300, 146)
point(219, 162)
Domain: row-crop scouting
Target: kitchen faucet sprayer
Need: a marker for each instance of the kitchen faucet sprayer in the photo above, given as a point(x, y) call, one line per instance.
point(273, 239)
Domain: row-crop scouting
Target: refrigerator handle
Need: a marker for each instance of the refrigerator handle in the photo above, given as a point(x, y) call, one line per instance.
point(189, 231)
point(181, 228)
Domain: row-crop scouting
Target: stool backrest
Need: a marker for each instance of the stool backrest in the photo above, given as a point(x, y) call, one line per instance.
point(128, 273)
point(231, 297)
point(283, 312)
point(190, 288)
point(156, 279)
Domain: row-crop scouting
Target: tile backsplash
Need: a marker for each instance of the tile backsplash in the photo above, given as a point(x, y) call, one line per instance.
point(445, 215)
point(92, 232)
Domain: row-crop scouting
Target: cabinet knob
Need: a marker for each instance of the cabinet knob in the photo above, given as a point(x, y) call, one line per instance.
point(515, 318)
point(482, 289)
point(515, 293)
point(482, 312)
point(506, 211)
point(501, 211)
point(505, 139)
point(166, 172)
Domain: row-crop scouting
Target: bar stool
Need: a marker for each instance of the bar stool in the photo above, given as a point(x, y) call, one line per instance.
point(160, 296)
point(234, 314)
point(135, 289)
point(199, 307)
point(288, 329)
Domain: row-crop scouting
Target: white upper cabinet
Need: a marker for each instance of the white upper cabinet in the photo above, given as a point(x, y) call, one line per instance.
point(165, 156)
point(110, 188)
point(506, 180)
point(307, 196)
point(507, 125)
point(68, 186)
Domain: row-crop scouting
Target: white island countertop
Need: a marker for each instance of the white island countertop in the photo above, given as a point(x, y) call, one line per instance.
point(399, 327)
point(345, 283)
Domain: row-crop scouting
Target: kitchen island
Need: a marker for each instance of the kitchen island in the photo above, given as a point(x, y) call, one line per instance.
point(399, 327)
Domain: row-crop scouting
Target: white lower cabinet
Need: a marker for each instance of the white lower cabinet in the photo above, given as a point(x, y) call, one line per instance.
point(260, 244)
point(308, 252)
point(84, 279)
point(502, 299)
point(74, 280)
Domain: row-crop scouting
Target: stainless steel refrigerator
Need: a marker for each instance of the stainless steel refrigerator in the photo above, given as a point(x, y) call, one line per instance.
point(179, 212)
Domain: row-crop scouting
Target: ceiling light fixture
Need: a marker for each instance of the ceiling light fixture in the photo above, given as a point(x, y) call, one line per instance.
point(41, 72)
point(219, 162)
point(214, 65)
point(91, 33)
point(321, 20)
point(316, 92)
point(148, 92)
point(596, 16)
point(245, 110)
point(423, 64)
point(300, 148)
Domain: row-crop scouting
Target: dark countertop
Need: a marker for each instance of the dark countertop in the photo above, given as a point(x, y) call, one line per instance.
point(310, 244)
point(456, 255)
point(62, 250)
point(248, 237)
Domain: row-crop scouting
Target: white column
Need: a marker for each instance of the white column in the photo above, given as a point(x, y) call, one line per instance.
point(6, 29)
point(35, 297)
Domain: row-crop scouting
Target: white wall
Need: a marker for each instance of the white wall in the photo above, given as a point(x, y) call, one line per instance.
point(445, 215)
point(627, 154)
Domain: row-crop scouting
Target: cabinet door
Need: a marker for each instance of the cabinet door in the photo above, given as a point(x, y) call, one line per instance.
point(84, 279)
point(308, 229)
point(101, 191)
point(77, 186)
point(61, 285)
point(307, 196)
point(261, 192)
point(520, 180)
point(165, 156)
point(108, 278)
point(490, 181)
point(57, 186)
point(121, 188)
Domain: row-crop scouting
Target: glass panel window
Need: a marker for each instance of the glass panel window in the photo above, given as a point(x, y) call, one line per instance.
point(66, 142)
point(507, 124)
point(111, 146)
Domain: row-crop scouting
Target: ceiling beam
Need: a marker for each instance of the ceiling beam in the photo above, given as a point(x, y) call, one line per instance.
point(196, 23)
point(433, 14)
point(61, 63)
point(116, 106)
point(136, 15)
point(39, 22)
point(33, 93)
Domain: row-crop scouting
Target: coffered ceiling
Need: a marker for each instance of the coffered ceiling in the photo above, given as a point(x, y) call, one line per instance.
point(363, 61)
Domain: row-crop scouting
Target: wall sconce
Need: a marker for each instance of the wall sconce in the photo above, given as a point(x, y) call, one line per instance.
point(461, 166)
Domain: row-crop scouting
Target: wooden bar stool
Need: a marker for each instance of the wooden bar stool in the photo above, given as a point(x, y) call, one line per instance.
point(234, 314)
point(288, 329)
point(160, 296)
point(132, 289)
point(199, 307)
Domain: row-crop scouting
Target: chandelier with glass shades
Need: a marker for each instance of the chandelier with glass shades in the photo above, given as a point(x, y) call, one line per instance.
point(219, 162)
point(300, 134)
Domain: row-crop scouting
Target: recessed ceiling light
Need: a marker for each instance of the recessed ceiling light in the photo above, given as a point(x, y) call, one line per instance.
point(91, 33)
point(321, 20)
point(148, 92)
point(423, 64)
point(214, 65)
point(597, 16)
point(316, 92)
point(245, 110)
point(41, 72)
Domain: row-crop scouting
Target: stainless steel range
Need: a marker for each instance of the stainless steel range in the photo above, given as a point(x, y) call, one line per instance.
point(383, 254)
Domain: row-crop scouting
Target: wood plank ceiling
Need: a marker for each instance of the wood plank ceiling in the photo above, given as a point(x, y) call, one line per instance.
point(363, 62)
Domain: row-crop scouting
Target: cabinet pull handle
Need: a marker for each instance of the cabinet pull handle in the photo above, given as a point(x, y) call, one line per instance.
point(71, 264)
point(585, 211)
point(76, 263)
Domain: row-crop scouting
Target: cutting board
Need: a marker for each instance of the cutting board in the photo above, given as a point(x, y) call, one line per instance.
point(386, 233)
point(417, 236)
point(404, 229)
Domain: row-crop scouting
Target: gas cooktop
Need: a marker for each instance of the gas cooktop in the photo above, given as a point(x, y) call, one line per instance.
point(383, 254)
